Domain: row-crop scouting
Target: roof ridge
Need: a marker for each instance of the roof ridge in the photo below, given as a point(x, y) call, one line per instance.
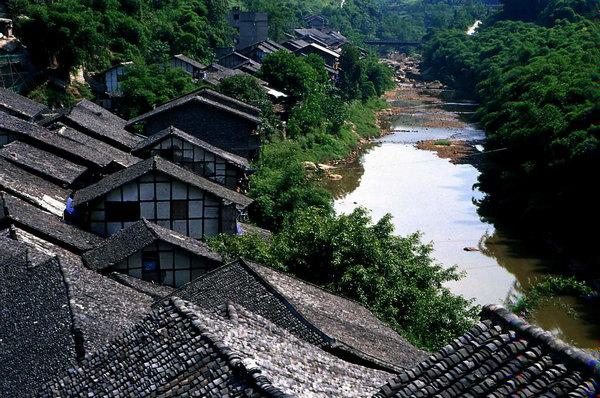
point(564, 351)
point(235, 359)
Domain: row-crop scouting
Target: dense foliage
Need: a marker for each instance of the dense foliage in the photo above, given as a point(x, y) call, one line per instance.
point(100, 33)
point(404, 20)
point(348, 254)
point(546, 292)
point(539, 88)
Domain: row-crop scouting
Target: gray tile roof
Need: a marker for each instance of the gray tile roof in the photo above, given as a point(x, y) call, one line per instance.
point(190, 61)
point(102, 308)
point(35, 320)
point(45, 225)
point(235, 160)
point(170, 353)
point(340, 326)
point(154, 290)
point(32, 188)
point(501, 356)
point(136, 237)
point(99, 123)
point(20, 106)
point(182, 350)
point(249, 229)
point(171, 169)
point(209, 98)
point(40, 162)
point(67, 142)
point(92, 150)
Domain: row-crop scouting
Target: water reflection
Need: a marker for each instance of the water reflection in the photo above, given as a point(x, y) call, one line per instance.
point(426, 193)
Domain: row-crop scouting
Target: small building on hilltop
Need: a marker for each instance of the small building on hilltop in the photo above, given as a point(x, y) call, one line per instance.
point(20, 106)
point(316, 21)
point(198, 156)
point(149, 252)
point(501, 356)
point(220, 120)
point(338, 325)
point(97, 122)
point(164, 193)
point(251, 27)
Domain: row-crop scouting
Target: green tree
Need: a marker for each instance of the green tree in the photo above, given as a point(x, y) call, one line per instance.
point(147, 86)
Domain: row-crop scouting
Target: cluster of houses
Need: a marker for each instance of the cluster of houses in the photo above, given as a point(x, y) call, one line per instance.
point(108, 289)
point(251, 46)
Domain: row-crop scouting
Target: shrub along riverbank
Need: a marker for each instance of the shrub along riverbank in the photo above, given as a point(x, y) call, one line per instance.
point(535, 69)
point(352, 255)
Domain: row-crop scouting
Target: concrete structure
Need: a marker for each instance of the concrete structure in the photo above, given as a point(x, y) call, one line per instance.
point(251, 27)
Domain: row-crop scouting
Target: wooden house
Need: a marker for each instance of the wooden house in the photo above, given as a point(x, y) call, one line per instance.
point(189, 65)
point(198, 156)
point(164, 193)
point(111, 78)
point(316, 21)
point(220, 120)
point(331, 58)
point(149, 252)
point(259, 51)
point(97, 122)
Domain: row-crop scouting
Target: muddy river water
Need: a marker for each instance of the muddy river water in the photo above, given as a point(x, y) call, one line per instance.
point(427, 193)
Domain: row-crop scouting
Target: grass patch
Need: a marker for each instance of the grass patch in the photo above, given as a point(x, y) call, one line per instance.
point(443, 142)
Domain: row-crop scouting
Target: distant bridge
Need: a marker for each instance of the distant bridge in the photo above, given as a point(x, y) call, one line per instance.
point(393, 43)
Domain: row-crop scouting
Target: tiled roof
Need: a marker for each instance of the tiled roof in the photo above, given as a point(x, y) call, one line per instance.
point(501, 356)
point(102, 308)
point(295, 44)
point(154, 290)
point(181, 350)
point(235, 160)
point(340, 326)
point(45, 225)
point(209, 98)
point(215, 73)
point(249, 229)
point(67, 143)
point(101, 124)
point(35, 320)
point(190, 61)
point(171, 169)
point(20, 106)
point(32, 188)
point(94, 151)
point(46, 164)
point(135, 238)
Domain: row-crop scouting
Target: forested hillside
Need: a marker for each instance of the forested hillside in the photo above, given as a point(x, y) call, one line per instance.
point(535, 67)
point(404, 20)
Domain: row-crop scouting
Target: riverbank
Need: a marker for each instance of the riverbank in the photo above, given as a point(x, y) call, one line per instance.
point(422, 172)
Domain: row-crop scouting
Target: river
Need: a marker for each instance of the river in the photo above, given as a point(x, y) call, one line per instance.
point(427, 193)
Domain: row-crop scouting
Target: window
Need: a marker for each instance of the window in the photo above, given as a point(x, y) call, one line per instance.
point(122, 211)
point(151, 267)
point(179, 210)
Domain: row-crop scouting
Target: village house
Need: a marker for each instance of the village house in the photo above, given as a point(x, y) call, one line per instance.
point(340, 326)
point(259, 51)
point(220, 120)
point(181, 350)
point(149, 252)
point(45, 164)
point(95, 121)
point(235, 60)
point(198, 156)
point(331, 58)
point(55, 310)
point(324, 37)
point(19, 106)
point(164, 193)
point(111, 78)
point(65, 142)
point(188, 65)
